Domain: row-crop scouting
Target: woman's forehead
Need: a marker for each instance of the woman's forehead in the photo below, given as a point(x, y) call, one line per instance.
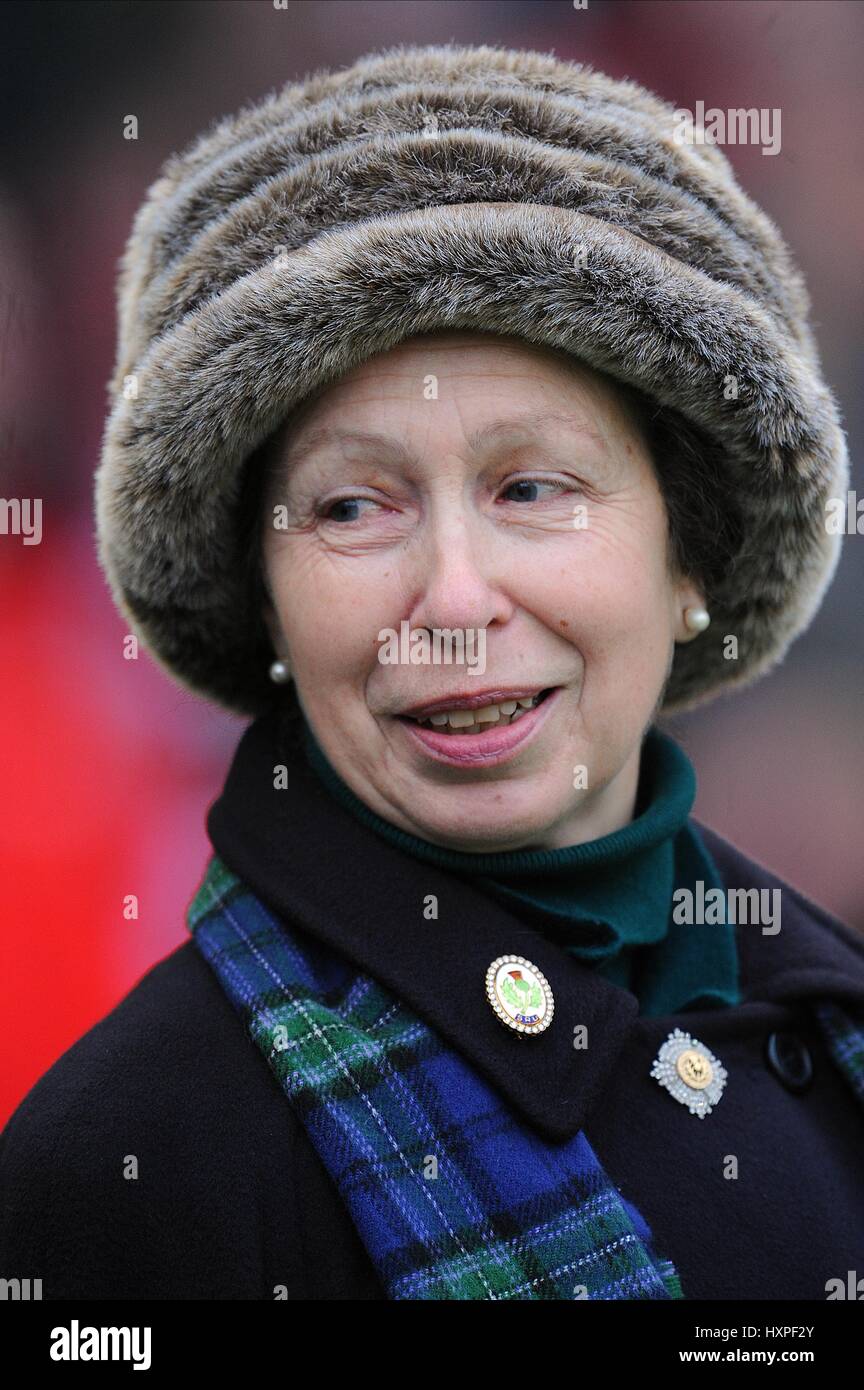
point(383, 378)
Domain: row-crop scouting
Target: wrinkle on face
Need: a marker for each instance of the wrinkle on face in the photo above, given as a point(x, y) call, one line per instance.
point(429, 531)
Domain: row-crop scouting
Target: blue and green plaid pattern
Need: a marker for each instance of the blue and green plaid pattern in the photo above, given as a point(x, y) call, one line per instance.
point(844, 1036)
point(452, 1197)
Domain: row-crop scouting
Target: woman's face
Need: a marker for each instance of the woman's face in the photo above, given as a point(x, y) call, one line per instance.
point(477, 485)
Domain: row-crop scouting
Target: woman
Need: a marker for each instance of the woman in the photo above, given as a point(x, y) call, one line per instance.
point(465, 422)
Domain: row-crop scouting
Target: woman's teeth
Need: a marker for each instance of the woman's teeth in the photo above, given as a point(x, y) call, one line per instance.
point(474, 721)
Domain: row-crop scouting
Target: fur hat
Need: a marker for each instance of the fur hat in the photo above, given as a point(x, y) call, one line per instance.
point(452, 187)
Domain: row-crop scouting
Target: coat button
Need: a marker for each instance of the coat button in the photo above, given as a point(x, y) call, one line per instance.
point(790, 1060)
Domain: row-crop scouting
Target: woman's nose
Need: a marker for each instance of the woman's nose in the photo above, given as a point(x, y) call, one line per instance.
point(458, 577)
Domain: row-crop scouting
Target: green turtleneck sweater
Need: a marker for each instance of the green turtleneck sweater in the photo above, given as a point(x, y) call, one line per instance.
point(608, 901)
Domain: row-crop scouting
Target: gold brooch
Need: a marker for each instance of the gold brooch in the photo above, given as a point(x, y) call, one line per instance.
point(520, 994)
point(690, 1072)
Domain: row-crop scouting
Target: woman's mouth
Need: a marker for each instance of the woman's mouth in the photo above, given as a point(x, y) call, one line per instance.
point(484, 734)
point(475, 721)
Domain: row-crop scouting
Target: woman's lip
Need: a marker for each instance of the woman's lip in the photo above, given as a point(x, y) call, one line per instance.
point(472, 700)
point(488, 748)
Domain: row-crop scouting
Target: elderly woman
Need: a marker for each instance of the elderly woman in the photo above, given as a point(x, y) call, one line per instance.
point(465, 422)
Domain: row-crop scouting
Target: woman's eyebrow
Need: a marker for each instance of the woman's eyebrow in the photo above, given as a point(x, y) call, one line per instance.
point(516, 427)
point(510, 429)
point(320, 438)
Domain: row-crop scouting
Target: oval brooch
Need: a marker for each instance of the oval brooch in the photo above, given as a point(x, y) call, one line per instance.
point(519, 994)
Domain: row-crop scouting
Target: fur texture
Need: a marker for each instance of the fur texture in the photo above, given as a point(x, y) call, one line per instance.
point(503, 191)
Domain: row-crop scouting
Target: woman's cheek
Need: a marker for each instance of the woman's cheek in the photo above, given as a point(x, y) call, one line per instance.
point(623, 640)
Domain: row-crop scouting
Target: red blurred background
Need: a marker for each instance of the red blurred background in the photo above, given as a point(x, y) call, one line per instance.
point(106, 768)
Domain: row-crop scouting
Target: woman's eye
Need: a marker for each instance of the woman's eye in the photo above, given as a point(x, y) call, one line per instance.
point(344, 508)
point(527, 488)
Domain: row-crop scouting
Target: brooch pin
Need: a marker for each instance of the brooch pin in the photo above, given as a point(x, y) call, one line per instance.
point(690, 1072)
point(520, 994)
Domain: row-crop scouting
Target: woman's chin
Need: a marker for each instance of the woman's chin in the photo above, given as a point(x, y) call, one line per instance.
point(494, 831)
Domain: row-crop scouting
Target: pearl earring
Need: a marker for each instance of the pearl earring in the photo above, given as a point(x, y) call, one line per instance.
point(279, 672)
point(696, 619)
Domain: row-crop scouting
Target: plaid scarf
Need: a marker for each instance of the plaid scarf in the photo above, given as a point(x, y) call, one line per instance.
point(452, 1198)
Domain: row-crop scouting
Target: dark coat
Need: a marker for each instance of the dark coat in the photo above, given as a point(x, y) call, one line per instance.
point(232, 1202)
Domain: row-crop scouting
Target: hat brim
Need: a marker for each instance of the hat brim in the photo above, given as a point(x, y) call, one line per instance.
point(211, 389)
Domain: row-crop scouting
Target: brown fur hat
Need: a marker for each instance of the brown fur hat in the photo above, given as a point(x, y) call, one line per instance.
point(452, 187)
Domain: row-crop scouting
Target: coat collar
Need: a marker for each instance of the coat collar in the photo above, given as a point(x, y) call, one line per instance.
point(608, 898)
point(312, 862)
point(813, 955)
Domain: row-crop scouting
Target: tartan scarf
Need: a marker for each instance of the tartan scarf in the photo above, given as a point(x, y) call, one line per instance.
point(451, 1196)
